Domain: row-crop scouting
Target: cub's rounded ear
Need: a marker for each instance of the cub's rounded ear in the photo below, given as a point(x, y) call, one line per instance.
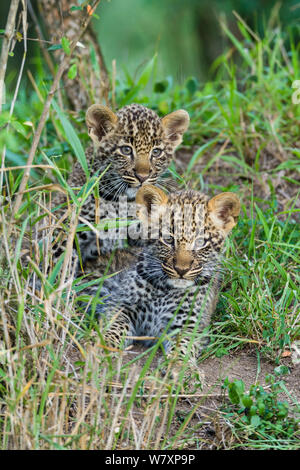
point(175, 125)
point(224, 210)
point(150, 201)
point(100, 120)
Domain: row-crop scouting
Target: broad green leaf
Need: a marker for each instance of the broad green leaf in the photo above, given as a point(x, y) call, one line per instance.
point(72, 71)
point(263, 221)
point(191, 85)
point(19, 127)
point(62, 181)
point(255, 421)
point(72, 138)
point(161, 87)
point(240, 47)
point(55, 47)
point(66, 45)
point(53, 275)
point(146, 73)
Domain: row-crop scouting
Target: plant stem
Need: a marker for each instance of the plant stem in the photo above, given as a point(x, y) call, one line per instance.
point(9, 32)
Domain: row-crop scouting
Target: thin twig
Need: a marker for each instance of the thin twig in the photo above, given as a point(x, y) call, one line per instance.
point(25, 25)
point(8, 35)
point(20, 167)
point(6, 43)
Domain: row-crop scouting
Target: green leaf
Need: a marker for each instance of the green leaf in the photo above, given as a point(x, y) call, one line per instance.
point(72, 138)
point(53, 275)
point(236, 391)
point(263, 221)
point(221, 351)
point(233, 395)
point(54, 47)
point(240, 47)
point(255, 421)
point(62, 181)
point(142, 82)
point(253, 410)
point(191, 85)
point(19, 127)
point(172, 170)
point(146, 73)
point(261, 408)
point(4, 118)
point(161, 87)
point(66, 45)
point(20, 316)
point(94, 60)
point(247, 402)
point(281, 370)
point(72, 71)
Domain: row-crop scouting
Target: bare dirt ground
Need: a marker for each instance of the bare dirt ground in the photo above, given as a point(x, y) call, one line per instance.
point(244, 365)
point(207, 427)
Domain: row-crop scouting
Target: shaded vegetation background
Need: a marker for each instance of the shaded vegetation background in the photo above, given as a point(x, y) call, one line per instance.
point(186, 34)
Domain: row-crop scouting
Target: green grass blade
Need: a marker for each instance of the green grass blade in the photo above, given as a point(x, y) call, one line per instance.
point(72, 138)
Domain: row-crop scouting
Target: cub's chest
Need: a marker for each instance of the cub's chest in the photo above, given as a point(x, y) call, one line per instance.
point(155, 309)
point(159, 301)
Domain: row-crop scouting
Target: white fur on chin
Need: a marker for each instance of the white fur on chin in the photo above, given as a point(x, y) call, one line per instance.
point(180, 283)
point(131, 192)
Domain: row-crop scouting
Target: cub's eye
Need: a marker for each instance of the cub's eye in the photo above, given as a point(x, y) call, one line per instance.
point(201, 245)
point(126, 150)
point(168, 241)
point(156, 152)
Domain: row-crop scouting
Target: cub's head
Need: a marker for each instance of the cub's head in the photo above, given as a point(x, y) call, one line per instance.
point(189, 230)
point(136, 142)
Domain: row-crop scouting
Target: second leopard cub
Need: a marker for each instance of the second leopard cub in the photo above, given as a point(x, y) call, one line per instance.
point(175, 281)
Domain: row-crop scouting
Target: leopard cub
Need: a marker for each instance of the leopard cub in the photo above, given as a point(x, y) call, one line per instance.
point(131, 148)
point(175, 282)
